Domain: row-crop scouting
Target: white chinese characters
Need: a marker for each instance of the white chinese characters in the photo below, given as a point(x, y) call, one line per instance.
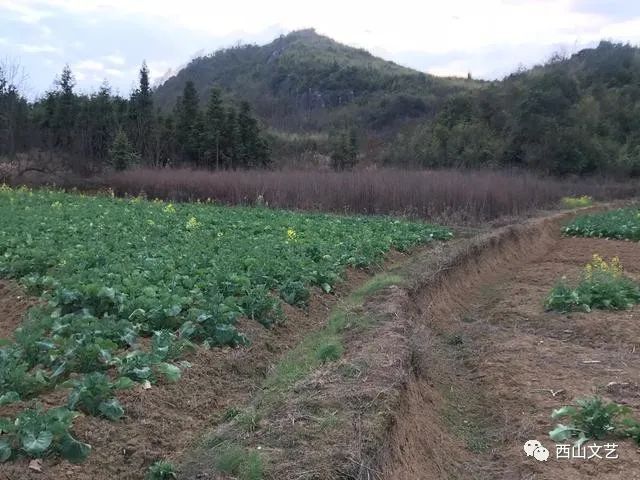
point(587, 452)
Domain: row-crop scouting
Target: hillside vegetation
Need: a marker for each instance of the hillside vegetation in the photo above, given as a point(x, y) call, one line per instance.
point(571, 115)
point(305, 81)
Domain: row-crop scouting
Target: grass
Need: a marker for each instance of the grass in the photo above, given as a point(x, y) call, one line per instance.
point(161, 470)
point(377, 283)
point(326, 345)
point(235, 460)
point(329, 351)
point(621, 224)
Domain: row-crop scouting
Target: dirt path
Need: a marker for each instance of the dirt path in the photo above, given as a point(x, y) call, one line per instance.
point(490, 365)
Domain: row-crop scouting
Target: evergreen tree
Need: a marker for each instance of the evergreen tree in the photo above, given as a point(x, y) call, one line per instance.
point(214, 127)
point(344, 149)
point(189, 129)
point(102, 122)
point(65, 109)
point(141, 105)
point(231, 139)
point(167, 141)
point(14, 120)
point(122, 153)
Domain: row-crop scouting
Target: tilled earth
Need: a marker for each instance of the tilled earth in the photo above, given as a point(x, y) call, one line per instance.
point(491, 373)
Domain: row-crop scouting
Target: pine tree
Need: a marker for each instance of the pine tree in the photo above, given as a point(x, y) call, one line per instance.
point(344, 149)
point(65, 110)
point(214, 127)
point(189, 128)
point(102, 122)
point(253, 150)
point(231, 139)
point(122, 154)
point(141, 105)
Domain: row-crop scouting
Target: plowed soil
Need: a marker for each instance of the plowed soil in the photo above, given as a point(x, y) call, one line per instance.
point(491, 365)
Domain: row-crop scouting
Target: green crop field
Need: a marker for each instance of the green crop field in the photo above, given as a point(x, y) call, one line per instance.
point(110, 271)
point(622, 224)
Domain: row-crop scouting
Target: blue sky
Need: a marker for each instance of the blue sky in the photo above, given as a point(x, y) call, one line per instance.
point(108, 39)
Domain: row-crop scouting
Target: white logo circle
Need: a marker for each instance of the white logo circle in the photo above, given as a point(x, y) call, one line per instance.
point(531, 446)
point(541, 454)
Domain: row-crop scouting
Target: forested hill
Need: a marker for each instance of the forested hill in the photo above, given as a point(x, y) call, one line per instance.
point(304, 81)
point(319, 102)
point(572, 115)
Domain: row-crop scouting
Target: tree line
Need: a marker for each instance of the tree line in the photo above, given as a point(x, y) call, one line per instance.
point(578, 115)
point(90, 132)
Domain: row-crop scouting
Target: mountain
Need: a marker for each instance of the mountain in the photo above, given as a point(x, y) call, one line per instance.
point(573, 115)
point(305, 82)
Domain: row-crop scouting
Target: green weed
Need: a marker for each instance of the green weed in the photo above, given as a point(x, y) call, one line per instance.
point(161, 470)
point(329, 351)
point(233, 459)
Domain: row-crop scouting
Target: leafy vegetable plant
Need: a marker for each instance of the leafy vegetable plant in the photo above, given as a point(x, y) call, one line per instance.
point(94, 394)
point(176, 273)
point(622, 224)
point(602, 285)
point(37, 433)
point(594, 418)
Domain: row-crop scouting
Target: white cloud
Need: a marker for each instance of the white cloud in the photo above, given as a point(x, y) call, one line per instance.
point(26, 11)
point(114, 59)
point(114, 72)
point(90, 65)
point(45, 48)
point(434, 26)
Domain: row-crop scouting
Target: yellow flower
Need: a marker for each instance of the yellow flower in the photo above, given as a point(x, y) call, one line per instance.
point(291, 234)
point(193, 224)
point(169, 208)
point(599, 265)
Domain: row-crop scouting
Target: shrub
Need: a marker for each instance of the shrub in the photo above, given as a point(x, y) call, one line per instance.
point(602, 285)
point(454, 195)
point(577, 202)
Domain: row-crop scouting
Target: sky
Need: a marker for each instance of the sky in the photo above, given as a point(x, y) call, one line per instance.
point(109, 39)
